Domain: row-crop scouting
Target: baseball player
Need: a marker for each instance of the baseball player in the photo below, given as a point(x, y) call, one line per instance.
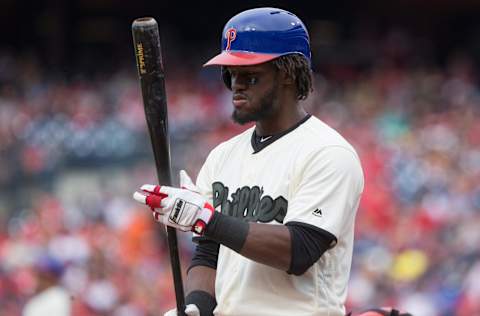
point(273, 208)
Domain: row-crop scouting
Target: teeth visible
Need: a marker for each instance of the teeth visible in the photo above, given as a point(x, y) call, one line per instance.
point(148, 187)
point(139, 197)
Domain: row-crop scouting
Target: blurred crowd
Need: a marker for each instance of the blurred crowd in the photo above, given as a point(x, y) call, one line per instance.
point(415, 127)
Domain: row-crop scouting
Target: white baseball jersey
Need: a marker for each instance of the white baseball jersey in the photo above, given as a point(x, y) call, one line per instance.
point(52, 301)
point(310, 175)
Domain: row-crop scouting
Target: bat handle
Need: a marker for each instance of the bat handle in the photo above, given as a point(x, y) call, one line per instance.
point(177, 277)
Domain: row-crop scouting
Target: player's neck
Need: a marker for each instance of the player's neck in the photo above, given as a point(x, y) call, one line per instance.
point(282, 121)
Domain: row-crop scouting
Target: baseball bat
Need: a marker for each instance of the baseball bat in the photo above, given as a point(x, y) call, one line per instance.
point(146, 41)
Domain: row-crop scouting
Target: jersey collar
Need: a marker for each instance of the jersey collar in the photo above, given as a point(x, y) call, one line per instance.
point(260, 142)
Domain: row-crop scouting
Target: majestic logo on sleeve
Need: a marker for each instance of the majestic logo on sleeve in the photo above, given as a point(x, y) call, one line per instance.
point(249, 203)
point(318, 212)
point(230, 35)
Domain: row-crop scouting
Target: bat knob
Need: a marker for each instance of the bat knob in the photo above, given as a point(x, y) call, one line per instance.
point(144, 22)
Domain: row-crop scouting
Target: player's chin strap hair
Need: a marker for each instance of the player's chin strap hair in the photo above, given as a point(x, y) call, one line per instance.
point(382, 312)
point(296, 66)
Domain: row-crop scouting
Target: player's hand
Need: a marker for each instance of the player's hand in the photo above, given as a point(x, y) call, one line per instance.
point(179, 208)
point(190, 310)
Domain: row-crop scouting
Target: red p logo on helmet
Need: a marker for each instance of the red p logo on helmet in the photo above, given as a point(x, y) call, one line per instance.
point(230, 35)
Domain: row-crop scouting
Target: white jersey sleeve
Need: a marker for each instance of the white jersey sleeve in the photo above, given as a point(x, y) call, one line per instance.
point(326, 194)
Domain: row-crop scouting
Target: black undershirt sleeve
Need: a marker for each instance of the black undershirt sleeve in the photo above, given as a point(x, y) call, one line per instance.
point(308, 244)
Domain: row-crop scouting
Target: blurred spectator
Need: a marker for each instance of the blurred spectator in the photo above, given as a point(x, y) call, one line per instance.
point(50, 297)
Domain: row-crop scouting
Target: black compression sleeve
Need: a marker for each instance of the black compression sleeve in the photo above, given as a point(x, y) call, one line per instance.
point(228, 231)
point(206, 254)
point(205, 302)
point(308, 244)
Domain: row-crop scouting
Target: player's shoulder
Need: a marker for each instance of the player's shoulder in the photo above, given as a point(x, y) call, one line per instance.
point(324, 148)
point(319, 135)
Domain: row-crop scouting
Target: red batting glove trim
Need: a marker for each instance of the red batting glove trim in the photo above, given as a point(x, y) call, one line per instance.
point(157, 190)
point(199, 227)
point(154, 200)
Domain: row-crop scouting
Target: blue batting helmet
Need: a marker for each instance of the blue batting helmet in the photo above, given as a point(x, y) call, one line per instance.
point(259, 35)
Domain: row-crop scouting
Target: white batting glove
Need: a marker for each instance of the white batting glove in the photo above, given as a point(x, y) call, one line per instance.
point(187, 183)
point(190, 310)
point(179, 208)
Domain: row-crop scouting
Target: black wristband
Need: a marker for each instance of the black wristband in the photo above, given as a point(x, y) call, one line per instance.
point(228, 231)
point(205, 302)
point(206, 254)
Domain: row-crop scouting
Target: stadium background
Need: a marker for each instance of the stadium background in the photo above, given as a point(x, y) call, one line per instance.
point(399, 79)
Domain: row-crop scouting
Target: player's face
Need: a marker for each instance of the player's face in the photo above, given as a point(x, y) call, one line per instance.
point(255, 91)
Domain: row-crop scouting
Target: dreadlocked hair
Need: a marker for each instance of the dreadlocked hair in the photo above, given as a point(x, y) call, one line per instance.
point(296, 66)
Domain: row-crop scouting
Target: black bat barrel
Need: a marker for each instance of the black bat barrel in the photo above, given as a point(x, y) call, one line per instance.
point(152, 81)
point(146, 41)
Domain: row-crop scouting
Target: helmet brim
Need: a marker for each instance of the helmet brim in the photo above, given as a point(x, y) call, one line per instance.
point(239, 59)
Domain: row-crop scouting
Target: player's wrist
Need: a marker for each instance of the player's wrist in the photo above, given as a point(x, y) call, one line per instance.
point(227, 230)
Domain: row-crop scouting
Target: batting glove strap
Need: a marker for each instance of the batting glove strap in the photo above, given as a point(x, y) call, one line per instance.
point(204, 217)
point(205, 302)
